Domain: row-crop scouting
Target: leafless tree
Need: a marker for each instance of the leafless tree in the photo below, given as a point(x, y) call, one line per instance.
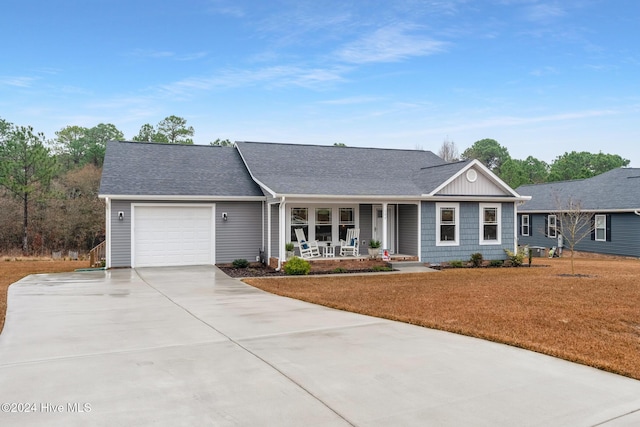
point(448, 151)
point(574, 223)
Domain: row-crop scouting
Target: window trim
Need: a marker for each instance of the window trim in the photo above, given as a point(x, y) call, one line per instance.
point(555, 226)
point(311, 219)
point(456, 213)
point(522, 225)
point(498, 208)
point(603, 228)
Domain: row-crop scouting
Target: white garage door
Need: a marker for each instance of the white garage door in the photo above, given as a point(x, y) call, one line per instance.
point(172, 235)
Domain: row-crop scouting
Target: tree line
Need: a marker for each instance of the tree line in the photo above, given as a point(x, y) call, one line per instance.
point(49, 187)
point(517, 172)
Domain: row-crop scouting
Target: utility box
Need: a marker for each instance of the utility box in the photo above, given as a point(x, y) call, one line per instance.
point(538, 251)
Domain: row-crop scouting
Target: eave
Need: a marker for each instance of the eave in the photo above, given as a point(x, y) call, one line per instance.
point(182, 198)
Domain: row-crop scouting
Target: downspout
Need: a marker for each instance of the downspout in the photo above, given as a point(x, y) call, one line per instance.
point(637, 212)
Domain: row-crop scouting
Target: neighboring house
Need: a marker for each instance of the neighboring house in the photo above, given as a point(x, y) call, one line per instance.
point(188, 204)
point(613, 198)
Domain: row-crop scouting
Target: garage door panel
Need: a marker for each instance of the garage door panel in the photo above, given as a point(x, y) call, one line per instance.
point(173, 235)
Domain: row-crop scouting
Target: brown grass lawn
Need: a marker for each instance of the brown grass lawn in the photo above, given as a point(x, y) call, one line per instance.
point(592, 320)
point(15, 269)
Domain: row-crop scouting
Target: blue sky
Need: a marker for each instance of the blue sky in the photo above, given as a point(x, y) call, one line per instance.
point(541, 77)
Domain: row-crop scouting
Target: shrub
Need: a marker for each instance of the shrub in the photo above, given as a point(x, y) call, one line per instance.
point(496, 263)
point(339, 270)
point(516, 258)
point(476, 259)
point(240, 263)
point(381, 268)
point(297, 267)
point(456, 263)
point(374, 244)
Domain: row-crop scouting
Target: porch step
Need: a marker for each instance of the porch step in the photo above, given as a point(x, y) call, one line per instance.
point(410, 266)
point(395, 264)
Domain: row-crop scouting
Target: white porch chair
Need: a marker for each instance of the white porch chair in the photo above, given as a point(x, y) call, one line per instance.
point(350, 245)
point(307, 249)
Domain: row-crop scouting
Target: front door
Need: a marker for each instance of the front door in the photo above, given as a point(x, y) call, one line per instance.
point(391, 227)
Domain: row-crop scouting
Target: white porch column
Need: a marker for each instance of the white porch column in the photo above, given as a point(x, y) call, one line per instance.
point(268, 248)
point(282, 234)
point(107, 233)
point(385, 227)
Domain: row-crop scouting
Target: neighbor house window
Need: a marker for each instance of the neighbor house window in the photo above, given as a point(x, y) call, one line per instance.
point(299, 219)
point(524, 225)
point(552, 226)
point(490, 223)
point(347, 221)
point(601, 228)
point(447, 226)
point(323, 224)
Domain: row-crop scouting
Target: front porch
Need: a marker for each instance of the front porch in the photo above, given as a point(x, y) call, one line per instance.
point(395, 225)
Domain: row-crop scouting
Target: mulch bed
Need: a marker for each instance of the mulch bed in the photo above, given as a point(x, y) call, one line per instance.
point(260, 270)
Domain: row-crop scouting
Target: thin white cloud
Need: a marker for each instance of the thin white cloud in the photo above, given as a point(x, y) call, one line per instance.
point(509, 121)
point(351, 101)
point(390, 44)
point(544, 12)
point(166, 54)
point(17, 81)
point(276, 76)
point(544, 71)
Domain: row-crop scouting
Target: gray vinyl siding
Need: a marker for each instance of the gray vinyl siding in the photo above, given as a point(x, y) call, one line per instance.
point(240, 237)
point(407, 229)
point(469, 234)
point(275, 229)
point(366, 230)
point(537, 232)
point(120, 234)
point(624, 239)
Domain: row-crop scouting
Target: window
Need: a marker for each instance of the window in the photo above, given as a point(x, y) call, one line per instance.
point(524, 225)
point(320, 222)
point(347, 221)
point(552, 226)
point(601, 228)
point(447, 227)
point(299, 219)
point(490, 218)
point(323, 224)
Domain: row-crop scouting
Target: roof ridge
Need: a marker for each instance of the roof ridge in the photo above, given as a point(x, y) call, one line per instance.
point(336, 146)
point(446, 164)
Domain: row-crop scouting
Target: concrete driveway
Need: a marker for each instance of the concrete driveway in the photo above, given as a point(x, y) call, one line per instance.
point(191, 346)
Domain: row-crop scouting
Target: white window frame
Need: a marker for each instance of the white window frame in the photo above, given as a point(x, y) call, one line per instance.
point(311, 219)
point(456, 208)
point(498, 208)
point(554, 228)
point(602, 228)
point(523, 225)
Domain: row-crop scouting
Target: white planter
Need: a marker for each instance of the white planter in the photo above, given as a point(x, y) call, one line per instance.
point(374, 252)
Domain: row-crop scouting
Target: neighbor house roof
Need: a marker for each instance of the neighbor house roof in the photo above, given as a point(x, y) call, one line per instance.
point(150, 169)
point(616, 190)
point(288, 169)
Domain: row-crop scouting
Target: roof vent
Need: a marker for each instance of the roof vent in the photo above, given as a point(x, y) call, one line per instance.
point(472, 175)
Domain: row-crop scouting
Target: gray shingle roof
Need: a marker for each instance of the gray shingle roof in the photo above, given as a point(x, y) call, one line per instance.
point(349, 171)
point(137, 168)
point(618, 189)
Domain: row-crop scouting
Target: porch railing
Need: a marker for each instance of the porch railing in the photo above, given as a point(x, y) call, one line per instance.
point(97, 255)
